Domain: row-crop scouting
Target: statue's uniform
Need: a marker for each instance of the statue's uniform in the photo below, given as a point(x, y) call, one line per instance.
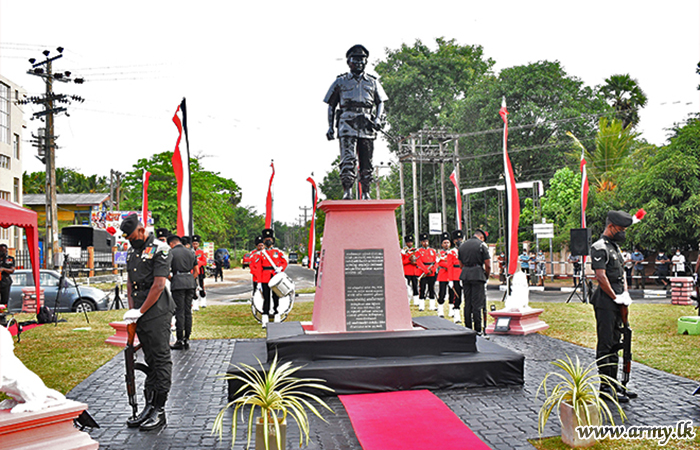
point(356, 96)
point(473, 253)
point(183, 285)
point(153, 327)
point(605, 254)
point(6, 262)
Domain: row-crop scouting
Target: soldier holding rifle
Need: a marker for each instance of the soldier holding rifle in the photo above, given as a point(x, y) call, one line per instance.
point(610, 301)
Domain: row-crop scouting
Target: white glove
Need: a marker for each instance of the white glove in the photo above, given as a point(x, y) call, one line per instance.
point(624, 299)
point(259, 287)
point(132, 315)
point(450, 284)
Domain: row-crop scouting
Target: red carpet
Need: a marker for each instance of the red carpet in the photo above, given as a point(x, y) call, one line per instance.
point(13, 328)
point(407, 420)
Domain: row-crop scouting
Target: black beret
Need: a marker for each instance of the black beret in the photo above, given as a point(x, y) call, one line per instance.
point(173, 237)
point(357, 50)
point(620, 218)
point(479, 230)
point(445, 236)
point(185, 240)
point(423, 236)
point(130, 224)
point(162, 232)
point(408, 238)
point(457, 234)
point(196, 238)
point(268, 233)
point(258, 240)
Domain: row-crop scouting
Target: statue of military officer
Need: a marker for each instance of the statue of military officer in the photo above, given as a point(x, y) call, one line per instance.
point(360, 101)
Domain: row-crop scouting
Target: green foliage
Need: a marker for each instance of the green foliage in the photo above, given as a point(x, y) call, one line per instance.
point(614, 144)
point(578, 387)
point(68, 181)
point(278, 394)
point(625, 95)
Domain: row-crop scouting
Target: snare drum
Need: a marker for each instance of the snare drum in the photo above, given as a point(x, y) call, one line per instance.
point(281, 284)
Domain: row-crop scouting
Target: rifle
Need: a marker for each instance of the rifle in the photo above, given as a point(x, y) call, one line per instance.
point(626, 345)
point(132, 366)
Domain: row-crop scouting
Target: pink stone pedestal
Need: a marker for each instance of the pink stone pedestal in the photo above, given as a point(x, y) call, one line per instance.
point(51, 428)
point(120, 335)
point(366, 226)
point(521, 323)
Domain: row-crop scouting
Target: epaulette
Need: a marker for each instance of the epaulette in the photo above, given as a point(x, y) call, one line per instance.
point(599, 244)
point(342, 75)
point(370, 75)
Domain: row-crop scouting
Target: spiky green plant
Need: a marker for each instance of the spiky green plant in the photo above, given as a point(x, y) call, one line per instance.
point(578, 387)
point(278, 394)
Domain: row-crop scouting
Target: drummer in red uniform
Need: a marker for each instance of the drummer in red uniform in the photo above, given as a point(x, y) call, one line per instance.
point(254, 265)
point(455, 272)
point(427, 258)
point(443, 272)
point(272, 262)
point(410, 269)
point(199, 297)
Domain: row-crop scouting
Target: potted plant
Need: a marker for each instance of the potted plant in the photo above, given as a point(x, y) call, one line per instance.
point(578, 399)
point(278, 394)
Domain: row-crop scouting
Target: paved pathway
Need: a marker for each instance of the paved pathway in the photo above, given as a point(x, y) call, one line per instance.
point(503, 417)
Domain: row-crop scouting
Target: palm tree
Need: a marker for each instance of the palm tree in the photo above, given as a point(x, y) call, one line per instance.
point(625, 95)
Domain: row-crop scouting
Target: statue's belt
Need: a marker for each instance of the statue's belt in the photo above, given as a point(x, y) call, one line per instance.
point(356, 109)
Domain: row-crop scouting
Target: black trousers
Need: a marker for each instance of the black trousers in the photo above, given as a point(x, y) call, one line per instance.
point(183, 312)
point(5, 293)
point(413, 282)
point(608, 330)
point(154, 336)
point(218, 270)
point(267, 293)
point(442, 291)
point(474, 303)
point(428, 282)
point(456, 294)
point(350, 149)
point(200, 278)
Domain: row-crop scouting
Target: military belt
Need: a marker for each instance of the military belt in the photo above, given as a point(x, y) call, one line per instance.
point(268, 268)
point(357, 109)
point(456, 266)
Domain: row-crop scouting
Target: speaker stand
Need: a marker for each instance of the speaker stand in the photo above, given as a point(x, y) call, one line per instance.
point(584, 286)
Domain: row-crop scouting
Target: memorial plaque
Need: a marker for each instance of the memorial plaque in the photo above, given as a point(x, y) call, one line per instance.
point(365, 300)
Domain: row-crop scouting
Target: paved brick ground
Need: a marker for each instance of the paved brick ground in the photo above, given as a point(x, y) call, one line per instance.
point(504, 418)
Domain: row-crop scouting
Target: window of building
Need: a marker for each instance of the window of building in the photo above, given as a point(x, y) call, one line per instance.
point(15, 146)
point(4, 113)
point(17, 190)
point(5, 196)
point(5, 162)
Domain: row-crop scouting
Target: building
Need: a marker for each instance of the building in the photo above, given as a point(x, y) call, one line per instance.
point(11, 125)
point(73, 209)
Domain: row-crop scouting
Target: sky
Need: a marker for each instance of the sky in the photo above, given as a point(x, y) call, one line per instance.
point(255, 73)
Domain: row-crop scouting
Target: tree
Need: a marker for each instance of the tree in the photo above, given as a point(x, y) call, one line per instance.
point(614, 144)
point(625, 95)
point(68, 181)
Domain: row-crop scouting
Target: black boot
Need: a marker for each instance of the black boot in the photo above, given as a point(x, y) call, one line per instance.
point(156, 419)
point(347, 193)
point(135, 422)
point(365, 196)
point(178, 345)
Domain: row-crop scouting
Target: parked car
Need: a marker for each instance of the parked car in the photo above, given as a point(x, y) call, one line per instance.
point(90, 298)
point(245, 262)
point(293, 258)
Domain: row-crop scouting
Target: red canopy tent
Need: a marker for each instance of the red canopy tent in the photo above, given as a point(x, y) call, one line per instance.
point(11, 214)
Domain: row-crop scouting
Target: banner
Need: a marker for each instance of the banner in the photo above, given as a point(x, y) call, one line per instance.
point(512, 199)
point(268, 202)
point(312, 228)
point(458, 197)
point(181, 167)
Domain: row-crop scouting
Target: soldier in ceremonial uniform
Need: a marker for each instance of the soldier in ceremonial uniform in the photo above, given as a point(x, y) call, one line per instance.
point(455, 273)
point(476, 269)
point(360, 99)
point(255, 261)
point(427, 263)
point(611, 292)
point(443, 273)
point(201, 271)
point(410, 269)
point(272, 262)
point(7, 267)
point(162, 234)
point(182, 285)
point(151, 307)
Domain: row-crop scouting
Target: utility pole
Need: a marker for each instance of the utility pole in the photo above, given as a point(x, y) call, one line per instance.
point(115, 177)
point(442, 188)
point(305, 209)
point(48, 101)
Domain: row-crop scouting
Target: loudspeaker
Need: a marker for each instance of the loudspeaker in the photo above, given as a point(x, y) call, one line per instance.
point(580, 241)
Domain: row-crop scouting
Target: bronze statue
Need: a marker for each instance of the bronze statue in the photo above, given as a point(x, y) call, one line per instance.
point(360, 99)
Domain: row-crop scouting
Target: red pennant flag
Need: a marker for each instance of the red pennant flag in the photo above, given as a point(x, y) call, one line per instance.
point(268, 203)
point(144, 205)
point(458, 197)
point(312, 229)
point(512, 199)
point(584, 190)
point(181, 167)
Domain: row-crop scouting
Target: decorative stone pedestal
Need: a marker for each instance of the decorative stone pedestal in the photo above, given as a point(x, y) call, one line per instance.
point(360, 286)
point(521, 322)
point(681, 289)
point(51, 428)
point(120, 335)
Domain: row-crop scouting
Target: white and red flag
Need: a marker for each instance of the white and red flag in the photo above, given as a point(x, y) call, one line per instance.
point(181, 167)
point(458, 197)
point(144, 204)
point(512, 199)
point(584, 189)
point(268, 202)
point(312, 228)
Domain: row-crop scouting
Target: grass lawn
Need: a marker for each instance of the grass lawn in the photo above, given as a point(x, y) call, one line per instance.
point(555, 443)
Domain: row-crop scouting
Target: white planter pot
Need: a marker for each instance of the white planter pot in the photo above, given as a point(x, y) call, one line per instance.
point(569, 424)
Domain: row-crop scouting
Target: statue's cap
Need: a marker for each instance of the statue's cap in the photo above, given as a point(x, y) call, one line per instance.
point(357, 50)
